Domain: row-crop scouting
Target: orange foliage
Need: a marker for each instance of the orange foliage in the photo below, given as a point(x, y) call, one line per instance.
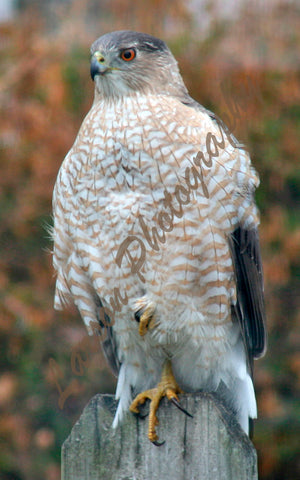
point(45, 91)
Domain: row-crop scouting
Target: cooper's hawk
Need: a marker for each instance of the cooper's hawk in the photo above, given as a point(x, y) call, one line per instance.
point(155, 234)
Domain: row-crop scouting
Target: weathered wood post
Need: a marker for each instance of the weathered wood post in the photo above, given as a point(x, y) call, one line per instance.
point(209, 446)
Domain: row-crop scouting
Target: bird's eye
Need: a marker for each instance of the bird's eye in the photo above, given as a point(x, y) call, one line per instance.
point(128, 54)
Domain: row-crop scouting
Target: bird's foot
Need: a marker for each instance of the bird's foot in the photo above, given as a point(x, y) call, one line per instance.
point(167, 387)
point(144, 315)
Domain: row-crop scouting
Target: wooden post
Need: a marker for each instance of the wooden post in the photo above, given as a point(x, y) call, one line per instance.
point(209, 446)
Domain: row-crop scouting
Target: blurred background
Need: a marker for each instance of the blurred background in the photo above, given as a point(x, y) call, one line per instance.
point(239, 59)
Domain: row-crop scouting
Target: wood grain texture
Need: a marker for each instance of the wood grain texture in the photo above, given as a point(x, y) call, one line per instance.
point(209, 446)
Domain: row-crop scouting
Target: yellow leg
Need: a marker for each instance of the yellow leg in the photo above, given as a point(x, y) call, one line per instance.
point(167, 387)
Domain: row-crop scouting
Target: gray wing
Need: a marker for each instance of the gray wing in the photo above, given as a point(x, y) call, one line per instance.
point(109, 345)
point(249, 309)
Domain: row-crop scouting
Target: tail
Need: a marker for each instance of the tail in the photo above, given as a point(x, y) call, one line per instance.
point(240, 393)
point(126, 381)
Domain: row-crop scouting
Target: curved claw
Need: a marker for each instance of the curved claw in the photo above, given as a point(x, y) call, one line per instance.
point(175, 401)
point(157, 444)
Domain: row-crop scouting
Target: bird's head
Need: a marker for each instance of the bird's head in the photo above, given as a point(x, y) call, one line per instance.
point(125, 62)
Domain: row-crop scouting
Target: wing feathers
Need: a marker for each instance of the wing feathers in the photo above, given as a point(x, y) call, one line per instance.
point(109, 345)
point(250, 308)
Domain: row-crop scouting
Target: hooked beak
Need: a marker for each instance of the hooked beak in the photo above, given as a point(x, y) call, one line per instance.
point(98, 65)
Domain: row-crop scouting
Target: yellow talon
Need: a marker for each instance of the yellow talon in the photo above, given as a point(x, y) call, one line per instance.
point(146, 318)
point(167, 387)
point(147, 321)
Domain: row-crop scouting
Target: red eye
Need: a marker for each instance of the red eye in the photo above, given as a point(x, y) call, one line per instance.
point(128, 54)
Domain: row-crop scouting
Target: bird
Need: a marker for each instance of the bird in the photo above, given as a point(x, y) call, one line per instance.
point(155, 236)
